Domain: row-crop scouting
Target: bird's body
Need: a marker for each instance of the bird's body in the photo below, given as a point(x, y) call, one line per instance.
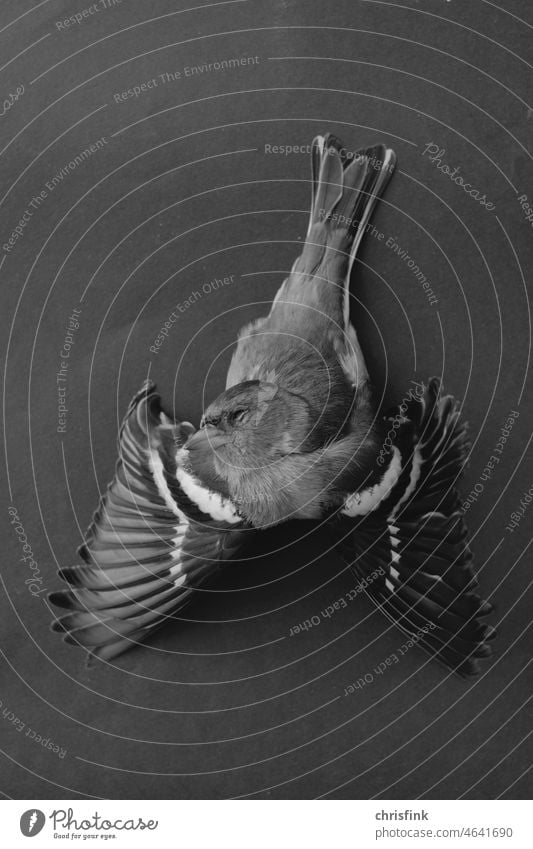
point(294, 436)
point(307, 343)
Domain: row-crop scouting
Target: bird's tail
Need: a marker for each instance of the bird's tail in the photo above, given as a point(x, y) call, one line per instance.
point(346, 188)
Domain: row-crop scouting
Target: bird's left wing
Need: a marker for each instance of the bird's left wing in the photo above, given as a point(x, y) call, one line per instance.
point(148, 548)
point(405, 537)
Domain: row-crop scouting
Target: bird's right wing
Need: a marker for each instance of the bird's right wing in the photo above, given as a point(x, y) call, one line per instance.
point(148, 548)
point(406, 538)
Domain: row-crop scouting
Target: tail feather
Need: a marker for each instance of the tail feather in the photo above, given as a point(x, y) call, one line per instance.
point(328, 166)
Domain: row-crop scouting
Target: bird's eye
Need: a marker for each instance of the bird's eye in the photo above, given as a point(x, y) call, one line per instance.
point(209, 420)
point(239, 414)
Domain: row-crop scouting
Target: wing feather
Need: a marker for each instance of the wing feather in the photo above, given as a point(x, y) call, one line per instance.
point(415, 539)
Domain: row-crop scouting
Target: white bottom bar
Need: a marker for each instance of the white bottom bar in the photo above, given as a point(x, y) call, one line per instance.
point(256, 825)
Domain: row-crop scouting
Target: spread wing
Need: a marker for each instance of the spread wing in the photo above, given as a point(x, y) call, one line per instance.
point(406, 538)
point(148, 548)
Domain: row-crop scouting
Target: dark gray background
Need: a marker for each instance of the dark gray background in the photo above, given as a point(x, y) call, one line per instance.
point(225, 703)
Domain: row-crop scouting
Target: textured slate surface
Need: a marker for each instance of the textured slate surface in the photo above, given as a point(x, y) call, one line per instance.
point(183, 190)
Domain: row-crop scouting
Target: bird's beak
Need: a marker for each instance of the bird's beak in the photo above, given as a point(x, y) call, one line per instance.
point(207, 438)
